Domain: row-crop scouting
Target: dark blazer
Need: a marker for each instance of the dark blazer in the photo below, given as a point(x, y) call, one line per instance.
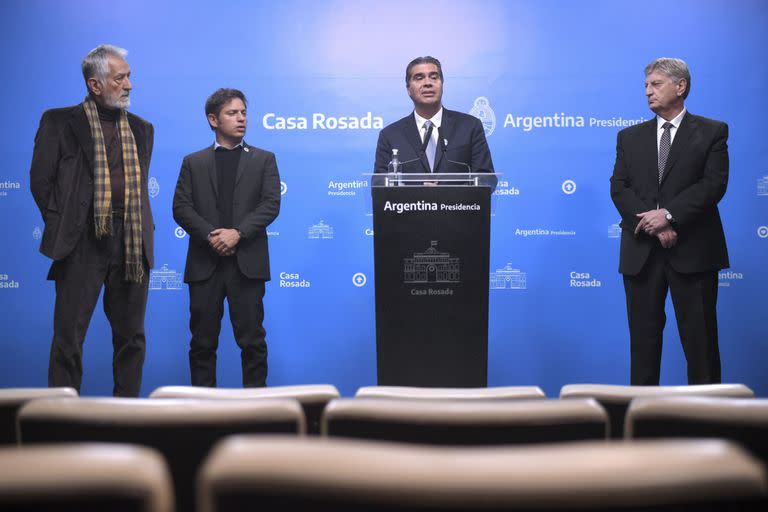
point(61, 178)
point(465, 138)
point(693, 182)
point(256, 203)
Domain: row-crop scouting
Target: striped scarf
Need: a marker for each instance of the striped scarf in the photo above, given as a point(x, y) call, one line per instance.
point(102, 193)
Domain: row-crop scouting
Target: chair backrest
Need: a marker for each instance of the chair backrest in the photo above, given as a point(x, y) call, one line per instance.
point(182, 430)
point(744, 420)
point(492, 393)
point(11, 400)
point(312, 397)
point(465, 422)
point(615, 399)
point(345, 475)
point(85, 478)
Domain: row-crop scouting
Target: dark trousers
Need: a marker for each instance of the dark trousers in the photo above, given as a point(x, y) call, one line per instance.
point(79, 278)
point(246, 312)
point(694, 297)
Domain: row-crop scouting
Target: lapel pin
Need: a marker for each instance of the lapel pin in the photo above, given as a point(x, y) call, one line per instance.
point(245, 148)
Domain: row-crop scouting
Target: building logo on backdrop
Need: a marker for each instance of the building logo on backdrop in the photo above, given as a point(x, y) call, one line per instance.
point(165, 278)
point(503, 189)
point(508, 278)
point(431, 266)
point(6, 283)
point(614, 231)
point(179, 232)
point(320, 121)
point(583, 280)
point(37, 233)
point(293, 280)
point(726, 277)
point(346, 188)
point(321, 230)
point(762, 186)
point(359, 279)
point(569, 187)
point(154, 187)
point(762, 231)
point(8, 186)
point(283, 188)
point(483, 111)
point(368, 232)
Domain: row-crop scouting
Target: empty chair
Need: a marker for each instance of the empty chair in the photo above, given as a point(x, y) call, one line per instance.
point(11, 400)
point(84, 478)
point(616, 399)
point(742, 420)
point(312, 397)
point(443, 422)
point(310, 474)
point(182, 430)
point(492, 393)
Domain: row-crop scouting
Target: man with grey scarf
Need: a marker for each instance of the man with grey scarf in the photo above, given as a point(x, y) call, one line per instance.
point(89, 179)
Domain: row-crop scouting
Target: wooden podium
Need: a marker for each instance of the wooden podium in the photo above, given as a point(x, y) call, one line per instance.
point(431, 248)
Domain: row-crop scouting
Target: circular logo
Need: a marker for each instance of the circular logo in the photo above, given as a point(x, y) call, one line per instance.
point(368, 232)
point(762, 231)
point(179, 232)
point(283, 188)
point(569, 187)
point(359, 279)
point(154, 187)
point(483, 111)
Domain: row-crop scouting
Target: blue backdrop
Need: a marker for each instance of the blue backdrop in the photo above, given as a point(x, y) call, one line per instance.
point(559, 79)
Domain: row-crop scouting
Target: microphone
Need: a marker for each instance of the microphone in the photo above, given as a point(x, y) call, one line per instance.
point(443, 144)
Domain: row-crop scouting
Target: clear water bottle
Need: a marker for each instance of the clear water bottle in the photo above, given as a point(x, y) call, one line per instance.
point(394, 164)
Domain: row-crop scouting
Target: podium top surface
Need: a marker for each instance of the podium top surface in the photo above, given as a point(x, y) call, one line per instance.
point(440, 179)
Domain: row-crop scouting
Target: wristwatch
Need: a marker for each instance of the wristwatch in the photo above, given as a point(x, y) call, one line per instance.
point(669, 218)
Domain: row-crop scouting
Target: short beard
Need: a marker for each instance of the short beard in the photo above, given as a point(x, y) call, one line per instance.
point(121, 102)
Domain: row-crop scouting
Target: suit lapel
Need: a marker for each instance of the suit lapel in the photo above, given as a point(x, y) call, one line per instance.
point(447, 127)
point(210, 164)
point(414, 137)
point(650, 147)
point(82, 130)
point(682, 138)
point(245, 157)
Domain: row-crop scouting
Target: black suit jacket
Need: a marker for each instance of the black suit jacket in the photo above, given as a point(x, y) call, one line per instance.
point(256, 204)
point(61, 178)
point(694, 181)
point(465, 139)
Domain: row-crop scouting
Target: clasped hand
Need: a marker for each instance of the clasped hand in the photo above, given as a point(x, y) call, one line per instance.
point(224, 241)
point(654, 223)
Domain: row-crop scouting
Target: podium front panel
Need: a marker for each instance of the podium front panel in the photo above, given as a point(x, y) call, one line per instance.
point(431, 248)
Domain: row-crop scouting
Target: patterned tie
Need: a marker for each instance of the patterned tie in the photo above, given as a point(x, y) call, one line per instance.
point(664, 148)
point(431, 146)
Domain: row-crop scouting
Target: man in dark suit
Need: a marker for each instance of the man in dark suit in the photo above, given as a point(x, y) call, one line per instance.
point(432, 138)
point(89, 179)
point(226, 196)
point(670, 173)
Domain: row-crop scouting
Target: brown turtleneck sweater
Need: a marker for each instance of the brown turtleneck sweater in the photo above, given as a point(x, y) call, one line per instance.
point(114, 148)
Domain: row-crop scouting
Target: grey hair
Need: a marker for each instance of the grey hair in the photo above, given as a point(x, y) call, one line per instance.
point(96, 63)
point(675, 69)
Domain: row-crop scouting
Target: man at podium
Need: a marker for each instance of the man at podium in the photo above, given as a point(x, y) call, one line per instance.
point(432, 139)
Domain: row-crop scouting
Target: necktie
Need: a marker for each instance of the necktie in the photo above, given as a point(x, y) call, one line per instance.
point(664, 146)
point(431, 146)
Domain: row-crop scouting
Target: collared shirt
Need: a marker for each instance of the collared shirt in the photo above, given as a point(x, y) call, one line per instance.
point(216, 144)
point(437, 120)
point(672, 131)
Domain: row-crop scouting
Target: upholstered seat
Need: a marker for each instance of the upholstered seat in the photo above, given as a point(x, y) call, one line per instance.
point(616, 399)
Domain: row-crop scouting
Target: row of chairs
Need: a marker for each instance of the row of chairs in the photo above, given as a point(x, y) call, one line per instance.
point(312, 474)
point(185, 427)
point(315, 398)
